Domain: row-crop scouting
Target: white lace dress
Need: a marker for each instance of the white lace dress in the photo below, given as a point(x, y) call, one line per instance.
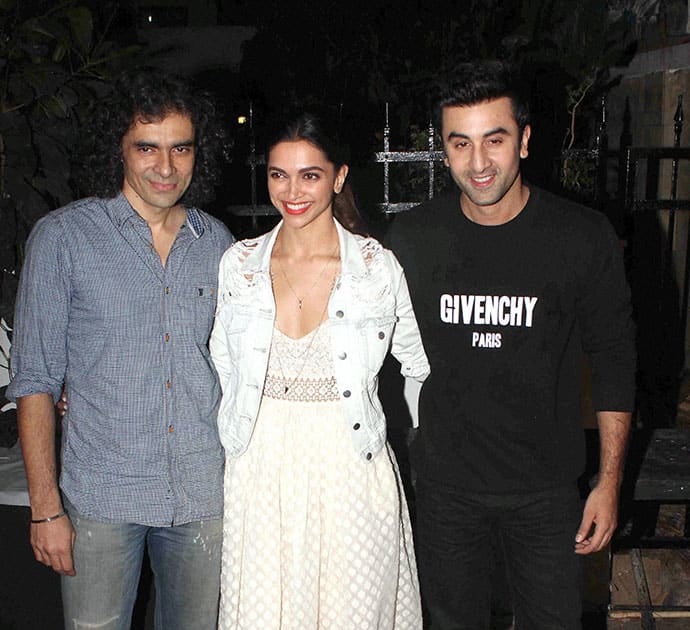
point(315, 537)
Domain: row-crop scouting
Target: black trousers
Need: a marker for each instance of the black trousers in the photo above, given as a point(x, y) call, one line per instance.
point(534, 531)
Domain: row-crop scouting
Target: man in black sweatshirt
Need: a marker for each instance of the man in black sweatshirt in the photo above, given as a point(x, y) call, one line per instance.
point(510, 284)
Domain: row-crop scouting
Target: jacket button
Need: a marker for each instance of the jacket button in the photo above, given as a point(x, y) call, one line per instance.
point(356, 426)
point(368, 455)
point(382, 334)
point(339, 314)
point(347, 393)
point(342, 356)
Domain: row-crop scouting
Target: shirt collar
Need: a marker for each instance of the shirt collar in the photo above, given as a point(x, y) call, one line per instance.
point(195, 222)
point(121, 211)
point(350, 253)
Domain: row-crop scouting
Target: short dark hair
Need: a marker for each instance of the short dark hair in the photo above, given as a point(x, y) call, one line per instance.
point(150, 95)
point(480, 81)
point(309, 127)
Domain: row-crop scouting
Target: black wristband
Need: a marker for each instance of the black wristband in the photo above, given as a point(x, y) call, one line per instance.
point(60, 514)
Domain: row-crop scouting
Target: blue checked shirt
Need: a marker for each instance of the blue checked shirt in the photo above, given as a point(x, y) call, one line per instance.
point(128, 337)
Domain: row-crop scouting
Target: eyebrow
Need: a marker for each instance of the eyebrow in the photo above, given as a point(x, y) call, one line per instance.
point(486, 134)
point(154, 145)
point(302, 170)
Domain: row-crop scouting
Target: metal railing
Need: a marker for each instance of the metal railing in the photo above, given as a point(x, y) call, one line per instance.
point(429, 157)
point(386, 157)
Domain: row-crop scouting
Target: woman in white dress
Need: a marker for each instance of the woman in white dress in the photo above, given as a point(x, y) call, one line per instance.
point(316, 528)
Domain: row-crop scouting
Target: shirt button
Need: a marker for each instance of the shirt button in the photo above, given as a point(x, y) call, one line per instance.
point(167, 337)
point(356, 426)
point(347, 393)
point(171, 429)
point(168, 384)
point(342, 356)
point(382, 334)
point(339, 314)
point(368, 455)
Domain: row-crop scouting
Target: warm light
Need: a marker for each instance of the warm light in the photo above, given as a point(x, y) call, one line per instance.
point(241, 120)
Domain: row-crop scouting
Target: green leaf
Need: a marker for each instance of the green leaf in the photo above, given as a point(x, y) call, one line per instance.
point(36, 26)
point(69, 96)
point(81, 25)
point(59, 52)
point(31, 205)
point(52, 107)
point(45, 78)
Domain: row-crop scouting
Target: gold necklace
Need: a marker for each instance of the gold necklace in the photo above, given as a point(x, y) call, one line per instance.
point(299, 299)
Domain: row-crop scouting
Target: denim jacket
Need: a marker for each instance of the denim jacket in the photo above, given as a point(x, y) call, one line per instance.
point(369, 312)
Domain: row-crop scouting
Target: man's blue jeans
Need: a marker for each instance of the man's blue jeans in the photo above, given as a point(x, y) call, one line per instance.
point(185, 560)
point(534, 531)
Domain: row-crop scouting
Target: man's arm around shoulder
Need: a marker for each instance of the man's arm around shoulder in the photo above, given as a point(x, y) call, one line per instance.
point(51, 540)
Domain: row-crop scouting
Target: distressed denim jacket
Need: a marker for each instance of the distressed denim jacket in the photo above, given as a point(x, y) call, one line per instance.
point(369, 312)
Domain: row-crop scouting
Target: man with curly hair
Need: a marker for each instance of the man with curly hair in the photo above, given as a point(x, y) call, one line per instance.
point(116, 301)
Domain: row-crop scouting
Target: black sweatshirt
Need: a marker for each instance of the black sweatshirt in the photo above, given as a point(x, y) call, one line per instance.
point(505, 312)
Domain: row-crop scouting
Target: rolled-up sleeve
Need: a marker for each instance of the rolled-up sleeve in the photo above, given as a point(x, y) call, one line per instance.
point(39, 341)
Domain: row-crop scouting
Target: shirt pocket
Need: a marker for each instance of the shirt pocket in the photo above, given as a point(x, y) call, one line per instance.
point(197, 306)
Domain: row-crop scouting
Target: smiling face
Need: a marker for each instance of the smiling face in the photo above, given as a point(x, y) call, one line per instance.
point(158, 161)
point(483, 148)
point(302, 182)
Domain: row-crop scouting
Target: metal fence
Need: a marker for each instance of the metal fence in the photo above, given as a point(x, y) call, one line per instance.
point(427, 157)
point(386, 157)
point(626, 160)
point(644, 205)
point(597, 161)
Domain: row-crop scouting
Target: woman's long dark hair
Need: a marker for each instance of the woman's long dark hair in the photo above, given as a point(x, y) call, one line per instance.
point(310, 128)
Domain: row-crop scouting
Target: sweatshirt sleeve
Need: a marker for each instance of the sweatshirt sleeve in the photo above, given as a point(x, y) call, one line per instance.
point(604, 315)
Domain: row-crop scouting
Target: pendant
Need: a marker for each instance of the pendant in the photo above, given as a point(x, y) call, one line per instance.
point(299, 304)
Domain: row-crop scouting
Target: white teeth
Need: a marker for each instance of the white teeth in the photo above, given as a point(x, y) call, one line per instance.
point(297, 206)
point(482, 180)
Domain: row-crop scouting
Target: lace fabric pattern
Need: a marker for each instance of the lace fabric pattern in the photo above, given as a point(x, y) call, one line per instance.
point(301, 369)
